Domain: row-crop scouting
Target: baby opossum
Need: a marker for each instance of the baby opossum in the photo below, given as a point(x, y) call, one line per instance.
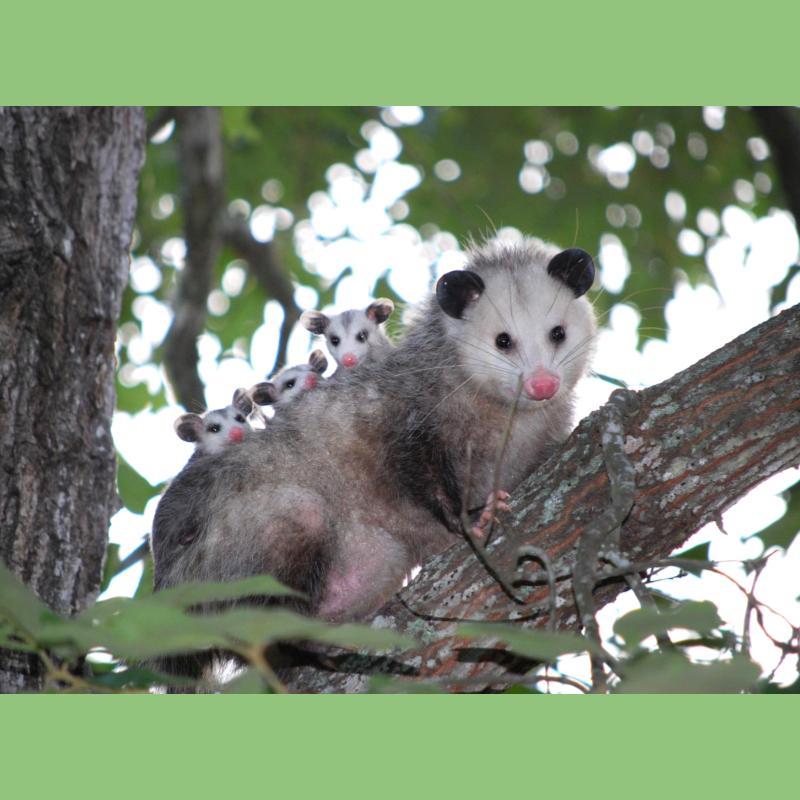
point(353, 336)
point(217, 429)
point(343, 509)
point(290, 382)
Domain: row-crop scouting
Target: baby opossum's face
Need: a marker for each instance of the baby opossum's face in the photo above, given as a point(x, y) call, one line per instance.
point(290, 382)
point(216, 430)
point(350, 335)
point(519, 320)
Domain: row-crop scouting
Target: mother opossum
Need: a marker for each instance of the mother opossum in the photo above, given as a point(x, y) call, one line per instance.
point(359, 481)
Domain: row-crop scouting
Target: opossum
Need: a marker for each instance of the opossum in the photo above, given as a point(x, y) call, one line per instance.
point(400, 448)
point(217, 429)
point(290, 382)
point(353, 336)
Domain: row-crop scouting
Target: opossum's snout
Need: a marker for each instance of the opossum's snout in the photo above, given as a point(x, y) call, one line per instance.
point(236, 435)
point(542, 385)
point(349, 360)
point(310, 382)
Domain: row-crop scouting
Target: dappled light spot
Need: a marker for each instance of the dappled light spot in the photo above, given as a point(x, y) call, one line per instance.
point(272, 190)
point(615, 214)
point(163, 133)
point(532, 178)
point(145, 276)
point(659, 158)
point(567, 143)
point(556, 189)
point(745, 191)
point(538, 152)
point(164, 206)
point(239, 208)
point(234, 278)
point(697, 146)
point(173, 252)
point(402, 115)
point(262, 223)
point(614, 265)
point(690, 242)
point(675, 205)
point(447, 170)
point(218, 302)
point(708, 222)
point(762, 182)
point(714, 117)
point(643, 142)
point(758, 148)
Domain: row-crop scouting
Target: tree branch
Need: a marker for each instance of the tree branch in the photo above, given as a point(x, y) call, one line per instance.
point(781, 128)
point(697, 443)
point(264, 264)
point(201, 164)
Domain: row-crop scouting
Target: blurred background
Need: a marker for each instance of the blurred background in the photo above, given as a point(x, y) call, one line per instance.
point(247, 216)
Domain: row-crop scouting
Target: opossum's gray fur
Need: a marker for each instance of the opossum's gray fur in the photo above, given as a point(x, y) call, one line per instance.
point(362, 479)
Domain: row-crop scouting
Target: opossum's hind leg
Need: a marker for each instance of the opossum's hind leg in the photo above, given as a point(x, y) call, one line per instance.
point(300, 553)
point(494, 502)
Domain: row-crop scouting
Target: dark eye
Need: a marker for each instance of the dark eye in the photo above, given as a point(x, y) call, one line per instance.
point(215, 428)
point(503, 341)
point(289, 384)
point(558, 334)
point(335, 341)
point(239, 418)
point(362, 336)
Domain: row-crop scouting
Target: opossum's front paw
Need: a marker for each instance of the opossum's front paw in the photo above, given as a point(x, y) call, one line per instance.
point(494, 502)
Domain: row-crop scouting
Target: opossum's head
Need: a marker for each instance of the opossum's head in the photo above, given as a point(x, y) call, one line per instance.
point(219, 428)
point(351, 336)
point(519, 319)
point(290, 382)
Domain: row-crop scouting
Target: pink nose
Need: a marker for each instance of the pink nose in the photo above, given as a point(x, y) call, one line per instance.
point(236, 435)
point(542, 385)
point(310, 382)
point(349, 360)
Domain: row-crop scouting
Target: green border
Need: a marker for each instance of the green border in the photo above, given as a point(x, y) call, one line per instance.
point(397, 746)
point(415, 51)
point(427, 53)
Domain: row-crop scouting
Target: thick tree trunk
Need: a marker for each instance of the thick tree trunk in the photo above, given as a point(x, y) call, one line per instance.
point(68, 181)
point(697, 443)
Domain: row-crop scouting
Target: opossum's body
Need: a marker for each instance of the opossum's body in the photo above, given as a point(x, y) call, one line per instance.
point(344, 507)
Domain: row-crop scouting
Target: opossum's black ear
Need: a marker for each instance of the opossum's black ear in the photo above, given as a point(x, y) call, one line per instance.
point(242, 401)
point(574, 267)
point(455, 290)
point(314, 321)
point(264, 393)
point(318, 361)
point(189, 427)
point(380, 310)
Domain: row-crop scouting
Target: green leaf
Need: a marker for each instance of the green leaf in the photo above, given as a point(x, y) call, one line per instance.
point(541, 645)
point(783, 531)
point(671, 672)
point(134, 490)
point(249, 682)
point(20, 606)
point(111, 565)
point(190, 594)
point(637, 625)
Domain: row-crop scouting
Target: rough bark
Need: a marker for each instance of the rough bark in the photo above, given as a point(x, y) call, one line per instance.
point(698, 442)
point(67, 201)
point(202, 196)
point(781, 128)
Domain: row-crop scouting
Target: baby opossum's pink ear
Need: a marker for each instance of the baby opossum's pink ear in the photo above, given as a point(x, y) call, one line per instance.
point(379, 310)
point(242, 401)
point(264, 393)
point(314, 321)
point(575, 268)
point(457, 289)
point(189, 427)
point(318, 361)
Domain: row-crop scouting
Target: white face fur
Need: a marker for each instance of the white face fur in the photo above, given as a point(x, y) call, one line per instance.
point(219, 428)
point(352, 335)
point(293, 381)
point(526, 333)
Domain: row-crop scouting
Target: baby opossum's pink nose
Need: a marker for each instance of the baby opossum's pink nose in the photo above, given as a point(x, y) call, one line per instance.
point(349, 360)
point(542, 385)
point(310, 382)
point(236, 435)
